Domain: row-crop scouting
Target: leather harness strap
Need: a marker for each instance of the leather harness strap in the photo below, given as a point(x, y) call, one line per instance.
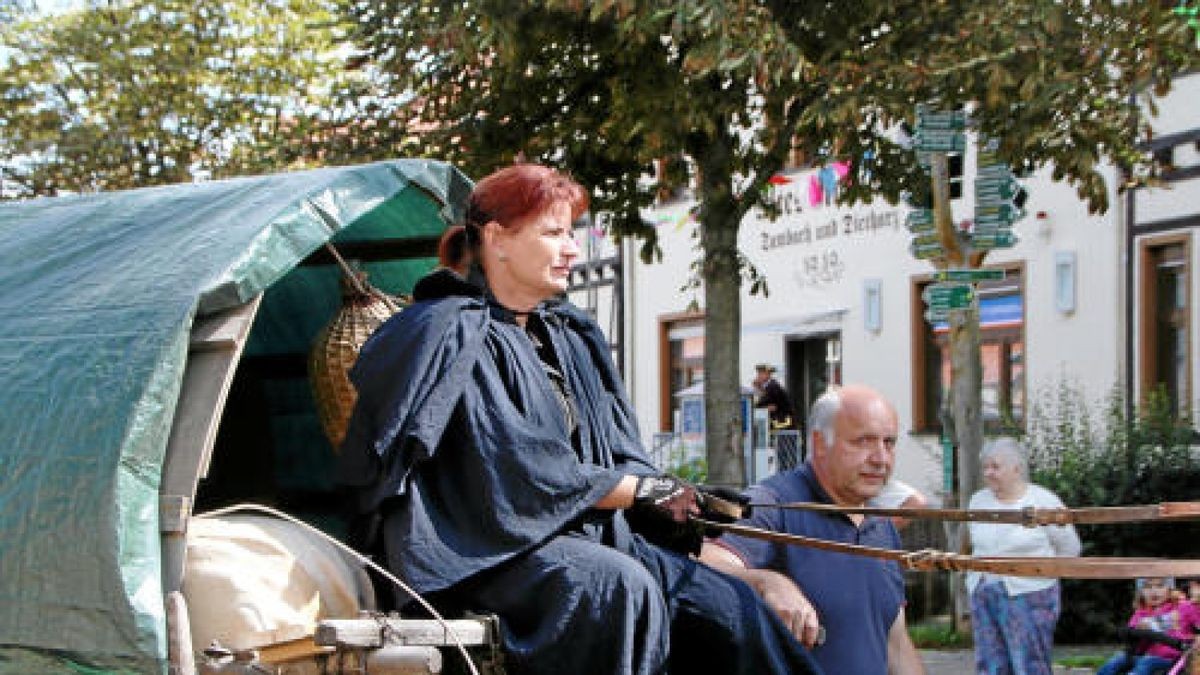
point(929, 560)
point(1028, 516)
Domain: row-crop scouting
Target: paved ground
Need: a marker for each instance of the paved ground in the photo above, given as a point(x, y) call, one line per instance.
point(950, 662)
point(962, 661)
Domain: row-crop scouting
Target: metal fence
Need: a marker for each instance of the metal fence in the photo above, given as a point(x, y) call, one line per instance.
point(785, 451)
point(789, 449)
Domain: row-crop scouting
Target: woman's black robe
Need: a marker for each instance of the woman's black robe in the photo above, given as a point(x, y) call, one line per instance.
point(460, 440)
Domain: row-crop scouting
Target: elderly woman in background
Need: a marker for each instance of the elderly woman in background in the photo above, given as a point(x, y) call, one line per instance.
point(1013, 618)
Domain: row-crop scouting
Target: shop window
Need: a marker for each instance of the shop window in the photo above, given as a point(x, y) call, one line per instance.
point(1002, 355)
point(1165, 354)
point(682, 342)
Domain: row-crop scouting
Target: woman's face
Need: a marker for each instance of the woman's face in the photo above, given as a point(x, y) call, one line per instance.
point(1001, 474)
point(533, 257)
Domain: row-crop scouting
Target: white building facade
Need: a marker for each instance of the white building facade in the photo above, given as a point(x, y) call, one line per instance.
point(1160, 339)
point(844, 299)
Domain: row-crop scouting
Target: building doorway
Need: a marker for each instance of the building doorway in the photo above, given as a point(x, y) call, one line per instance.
point(813, 363)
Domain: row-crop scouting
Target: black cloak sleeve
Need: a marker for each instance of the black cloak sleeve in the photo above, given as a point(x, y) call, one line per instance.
point(458, 428)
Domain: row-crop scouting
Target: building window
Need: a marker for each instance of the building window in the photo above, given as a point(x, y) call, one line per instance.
point(1002, 353)
point(1165, 158)
point(682, 342)
point(1166, 320)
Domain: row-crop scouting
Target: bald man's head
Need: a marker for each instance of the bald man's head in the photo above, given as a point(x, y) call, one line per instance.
point(852, 438)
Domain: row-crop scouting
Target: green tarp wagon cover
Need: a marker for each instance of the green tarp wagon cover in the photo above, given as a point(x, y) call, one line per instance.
point(98, 294)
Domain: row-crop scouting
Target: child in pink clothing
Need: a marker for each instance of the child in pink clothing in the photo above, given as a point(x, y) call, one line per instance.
point(1156, 610)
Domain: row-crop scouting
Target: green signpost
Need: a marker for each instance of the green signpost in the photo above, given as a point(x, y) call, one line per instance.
point(951, 119)
point(926, 239)
point(948, 295)
point(997, 187)
point(940, 140)
point(1000, 211)
point(968, 275)
point(998, 200)
point(936, 315)
point(926, 250)
point(943, 298)
point(919, 220)
point(998, 238)
point(993, 221)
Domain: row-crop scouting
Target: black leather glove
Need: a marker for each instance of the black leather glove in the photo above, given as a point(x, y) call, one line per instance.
point(662, 506)
point(723, 504)
point(675, 498)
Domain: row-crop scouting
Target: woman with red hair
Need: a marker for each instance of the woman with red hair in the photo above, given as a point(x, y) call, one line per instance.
point(494, 436)
point(452, 250)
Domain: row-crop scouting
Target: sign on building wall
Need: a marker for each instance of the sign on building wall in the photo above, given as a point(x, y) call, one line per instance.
point(813, 230)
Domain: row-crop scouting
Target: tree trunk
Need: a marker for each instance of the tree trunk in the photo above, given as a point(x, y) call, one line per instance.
point(719, 222)
point(966, 403)
point(967, 399)
point(966, 377)
point(722, 345)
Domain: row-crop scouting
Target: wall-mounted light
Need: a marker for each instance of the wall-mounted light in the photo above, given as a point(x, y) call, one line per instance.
point(872, 304)
point(1064, 281)
point(1043, 224)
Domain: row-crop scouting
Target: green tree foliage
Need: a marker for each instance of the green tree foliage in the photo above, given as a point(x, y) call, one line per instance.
point(142, 92)
point(606, 87)
point(11, 9)
point(1144, 459)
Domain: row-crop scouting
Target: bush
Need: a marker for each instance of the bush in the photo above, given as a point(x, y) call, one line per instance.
point(694, 471)
point(1143, 459)
point(938, 635)
point(1093, 661)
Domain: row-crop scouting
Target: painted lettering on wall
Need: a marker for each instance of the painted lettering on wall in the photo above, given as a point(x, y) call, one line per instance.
point(819, 269)
point(848, 224)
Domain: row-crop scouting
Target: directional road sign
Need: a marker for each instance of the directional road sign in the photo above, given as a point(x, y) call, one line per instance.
point(940, 140)
point(988, 159)
point(948, 295)
point(919, 220)
point(926, 251)
point(937, 315)
point(997, 188)
point(941, 315)
point(1002, 210)
point(968, 275)
point(993, 239)
point(951, 119)
point(926, 239)
point(992, 171)
point(991, 221)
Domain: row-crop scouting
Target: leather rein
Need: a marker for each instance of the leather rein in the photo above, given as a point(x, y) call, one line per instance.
point(1029, 516)
point(928, 560)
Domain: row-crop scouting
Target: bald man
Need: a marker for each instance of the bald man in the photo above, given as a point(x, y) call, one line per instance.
point(858, 600)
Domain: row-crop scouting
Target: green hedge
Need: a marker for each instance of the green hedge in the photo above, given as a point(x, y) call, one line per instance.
point(1145, 458)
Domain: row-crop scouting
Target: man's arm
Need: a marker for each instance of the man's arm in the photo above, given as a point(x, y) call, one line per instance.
point(903, 658)
point(778, 591)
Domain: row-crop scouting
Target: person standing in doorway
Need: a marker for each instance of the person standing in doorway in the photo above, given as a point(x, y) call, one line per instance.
point(769, 394)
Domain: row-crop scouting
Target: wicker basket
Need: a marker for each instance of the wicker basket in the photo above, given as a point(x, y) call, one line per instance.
point(335, 349)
